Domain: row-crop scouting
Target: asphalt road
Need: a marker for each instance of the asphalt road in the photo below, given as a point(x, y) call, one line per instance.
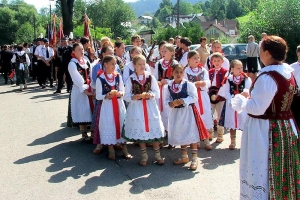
point(42, 159)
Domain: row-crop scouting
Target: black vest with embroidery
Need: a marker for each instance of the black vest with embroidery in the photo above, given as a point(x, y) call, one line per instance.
point(236, 89)
point(162, 73)
point(21, 59)
point(182, 94)
point(84, 73)
point(106, 88)
point(194, 78)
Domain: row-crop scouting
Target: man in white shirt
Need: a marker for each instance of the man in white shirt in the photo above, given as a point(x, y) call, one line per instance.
point(46, 54)
point(37, 53)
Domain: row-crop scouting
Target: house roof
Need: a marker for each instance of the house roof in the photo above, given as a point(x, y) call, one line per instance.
point(228, 24)
point(145, 17)
point(146, 32)
point(220, 27)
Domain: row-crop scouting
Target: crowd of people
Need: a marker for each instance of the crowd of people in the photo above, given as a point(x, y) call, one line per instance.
point(182, 95)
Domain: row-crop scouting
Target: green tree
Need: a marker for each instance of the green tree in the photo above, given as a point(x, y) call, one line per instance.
point(155, 23)
point(165, 12)
point(275, 17)
point(218, 9)
point(185, 8)
point(235, 9)
point(97, 33)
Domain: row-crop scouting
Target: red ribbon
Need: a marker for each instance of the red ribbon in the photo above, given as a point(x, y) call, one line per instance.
point(200, 101)
point(169, 71)
point(88, 81)
point(146, 115)
point(100, 72)
point(235, 119)
point(115, 105)
point(161, 100)
point(203, 133)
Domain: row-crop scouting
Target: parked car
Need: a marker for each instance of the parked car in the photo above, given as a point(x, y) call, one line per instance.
point(194, 47)
point(235, 51)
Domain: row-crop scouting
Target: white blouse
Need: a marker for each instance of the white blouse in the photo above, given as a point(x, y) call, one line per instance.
point(76, 77)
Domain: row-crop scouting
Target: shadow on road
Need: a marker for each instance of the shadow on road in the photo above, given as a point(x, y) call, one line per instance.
point(75, 160)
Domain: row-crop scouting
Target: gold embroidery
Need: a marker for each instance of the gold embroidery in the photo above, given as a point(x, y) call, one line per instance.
point(287, 98)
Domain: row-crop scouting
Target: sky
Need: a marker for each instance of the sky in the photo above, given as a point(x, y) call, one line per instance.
point(45, 3)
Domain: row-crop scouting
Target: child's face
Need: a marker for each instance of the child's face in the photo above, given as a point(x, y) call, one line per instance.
point(136, 42)
point(217, 62)
point(178, 74)
point(110, 66)
point(140, 66)
point(216, 47)
point(237, 69)
point(135, 53)
point(194, 61)
point(166, 53)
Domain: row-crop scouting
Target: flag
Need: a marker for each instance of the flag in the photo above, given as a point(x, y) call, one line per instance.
point(86, 31)
point(53, 31)
point(60, 30)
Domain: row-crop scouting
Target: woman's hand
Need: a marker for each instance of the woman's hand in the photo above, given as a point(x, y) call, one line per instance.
point(245, 94)
point(119, 94)
point(164, 82)
point(109, 96)
point(136, 97)
point(88, 93)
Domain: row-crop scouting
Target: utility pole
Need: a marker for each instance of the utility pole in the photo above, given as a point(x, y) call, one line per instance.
point(178, 11)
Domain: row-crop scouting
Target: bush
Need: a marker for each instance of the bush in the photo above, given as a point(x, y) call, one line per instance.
point(276, 17)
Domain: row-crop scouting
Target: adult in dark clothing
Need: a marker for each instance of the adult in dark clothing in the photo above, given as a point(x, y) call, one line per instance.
point(64, 53)
point(33, 68)
point(6, 65)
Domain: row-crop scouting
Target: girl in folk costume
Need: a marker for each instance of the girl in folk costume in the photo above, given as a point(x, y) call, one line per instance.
point(234, 84)
point(198, 75)
point(160, 49)
point(106, 50)
point(163, 74)
point(269, 164)
point(109, 90)
point(184, 44)
point(129, 67)
point(22, 62)
point(216, 48)
point(185, 124)
point(119, 52)
point(81, 95)
point(216, 76)
point(143, 121)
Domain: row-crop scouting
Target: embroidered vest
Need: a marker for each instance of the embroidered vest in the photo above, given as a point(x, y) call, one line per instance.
point(84, 73)
point(163, 72)
point(194, 78)
point(219, 76)
point(280, 107)
point(137, 88)
point(106, 88)
point(237, 89)
point(182, 94)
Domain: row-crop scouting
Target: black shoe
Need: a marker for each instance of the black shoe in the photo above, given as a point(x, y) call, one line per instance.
point(43, 87)
point(68, 91)
point(57, 92)
point(51, 86)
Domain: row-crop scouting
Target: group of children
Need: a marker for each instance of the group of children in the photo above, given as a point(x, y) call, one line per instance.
point(180, 101)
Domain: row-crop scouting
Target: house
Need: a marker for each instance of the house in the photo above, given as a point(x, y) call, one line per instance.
point(143, 19)
point(182, 18)
point(218, 28)
point(147, 35)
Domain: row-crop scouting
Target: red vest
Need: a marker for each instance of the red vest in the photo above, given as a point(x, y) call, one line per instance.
point(219, 76)
point(280, 107)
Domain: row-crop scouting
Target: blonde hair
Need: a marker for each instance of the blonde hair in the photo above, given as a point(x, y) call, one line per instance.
point(137, 58)
point(235, 62)
point(170, 47)
point(217, 55)
point(216, 42)
point(106, 40)
point(136, 48)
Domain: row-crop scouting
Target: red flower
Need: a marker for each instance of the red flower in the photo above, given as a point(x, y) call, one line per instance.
point(298, 182)
point(284, 170)
point(275, 145)
point(277, 154)
point(273, 125)
point(275, 135)
point(283, 179)
point(277, 173)
point(285, 188)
